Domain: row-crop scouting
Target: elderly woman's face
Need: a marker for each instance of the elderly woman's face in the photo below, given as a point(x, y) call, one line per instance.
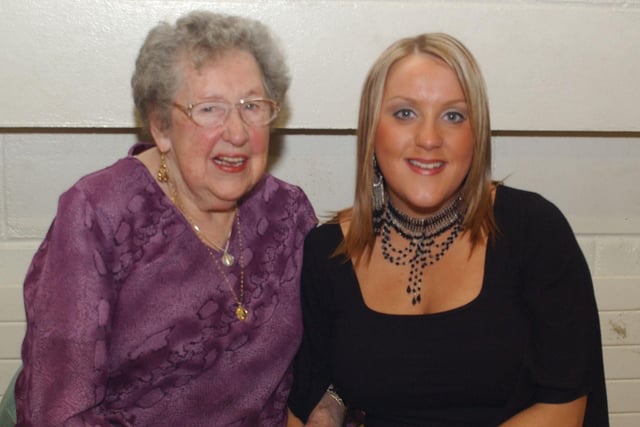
point(424, 139)
point(217, 166)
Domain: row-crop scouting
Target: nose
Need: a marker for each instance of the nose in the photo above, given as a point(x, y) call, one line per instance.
point(235, 129)
point(429, 135)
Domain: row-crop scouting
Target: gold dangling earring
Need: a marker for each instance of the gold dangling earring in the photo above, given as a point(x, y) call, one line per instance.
point(163, 170)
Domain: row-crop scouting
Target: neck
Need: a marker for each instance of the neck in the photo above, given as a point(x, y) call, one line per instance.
point(214, 227)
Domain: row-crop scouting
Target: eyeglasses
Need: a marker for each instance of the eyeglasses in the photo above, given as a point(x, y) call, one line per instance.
point(210, 114)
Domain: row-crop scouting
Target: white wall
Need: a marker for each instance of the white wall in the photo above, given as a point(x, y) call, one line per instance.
point(550, 64)
point(555, 69)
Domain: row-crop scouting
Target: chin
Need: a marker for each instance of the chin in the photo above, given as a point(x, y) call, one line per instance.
point(234, 195)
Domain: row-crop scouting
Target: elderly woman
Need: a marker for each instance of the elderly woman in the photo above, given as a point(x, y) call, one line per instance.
point(166, 292)
point(443, 298)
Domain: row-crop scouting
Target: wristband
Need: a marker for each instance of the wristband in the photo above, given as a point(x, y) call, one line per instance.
point(331, 391)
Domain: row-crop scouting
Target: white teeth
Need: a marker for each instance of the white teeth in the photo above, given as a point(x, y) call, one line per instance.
point(426, 166)
point(233, 161)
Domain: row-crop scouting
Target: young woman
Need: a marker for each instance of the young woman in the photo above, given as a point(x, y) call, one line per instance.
point(443, 298)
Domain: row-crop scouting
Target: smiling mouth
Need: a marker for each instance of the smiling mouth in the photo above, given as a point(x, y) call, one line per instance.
point(229, 161)
point(426, 166)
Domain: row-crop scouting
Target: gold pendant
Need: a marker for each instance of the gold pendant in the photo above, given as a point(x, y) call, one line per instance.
point(241, 312)
point(227, 259)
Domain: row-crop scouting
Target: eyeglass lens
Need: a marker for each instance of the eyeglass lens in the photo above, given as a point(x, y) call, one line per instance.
point(257, 112)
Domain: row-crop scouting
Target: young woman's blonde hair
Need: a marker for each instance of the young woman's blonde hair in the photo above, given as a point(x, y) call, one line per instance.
point(476, 188)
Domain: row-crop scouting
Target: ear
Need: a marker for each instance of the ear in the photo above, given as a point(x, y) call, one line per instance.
point(159, 132)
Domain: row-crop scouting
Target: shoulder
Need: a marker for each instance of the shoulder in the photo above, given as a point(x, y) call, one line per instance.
point(509, 198)
point(324, 238)
point(113, 185)
point(275, 198)
point(270, 187)
point(535, 230)
point(319, 260)
point(120, 192)
point(126, 172)
point(525, 209)
point(277, 210)
point(326, 231)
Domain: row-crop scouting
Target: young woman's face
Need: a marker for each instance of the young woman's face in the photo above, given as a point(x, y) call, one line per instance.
point(424, 139)
point(214, 167)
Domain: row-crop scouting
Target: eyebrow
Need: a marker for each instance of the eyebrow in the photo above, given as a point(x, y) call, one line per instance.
point(256, 93)
point(412, 100)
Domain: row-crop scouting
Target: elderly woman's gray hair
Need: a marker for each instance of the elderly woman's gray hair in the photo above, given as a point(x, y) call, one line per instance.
point(199, 37)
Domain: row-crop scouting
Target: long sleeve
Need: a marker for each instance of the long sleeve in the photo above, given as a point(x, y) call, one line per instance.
point(68, 299)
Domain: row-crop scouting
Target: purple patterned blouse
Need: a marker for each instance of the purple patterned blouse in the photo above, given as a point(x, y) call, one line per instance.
point(129, 322)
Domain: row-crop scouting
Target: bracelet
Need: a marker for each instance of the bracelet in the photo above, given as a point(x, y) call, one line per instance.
point(331, 391)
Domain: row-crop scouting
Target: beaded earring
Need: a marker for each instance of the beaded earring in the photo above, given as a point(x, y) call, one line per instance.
point(378, 197)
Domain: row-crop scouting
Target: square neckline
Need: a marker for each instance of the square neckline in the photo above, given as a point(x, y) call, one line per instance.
point(488, 256)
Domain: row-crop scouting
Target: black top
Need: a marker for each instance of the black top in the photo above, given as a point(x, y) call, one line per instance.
point(532, 335)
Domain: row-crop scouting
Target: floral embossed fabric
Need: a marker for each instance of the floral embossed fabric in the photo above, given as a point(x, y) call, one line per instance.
point(129, 322)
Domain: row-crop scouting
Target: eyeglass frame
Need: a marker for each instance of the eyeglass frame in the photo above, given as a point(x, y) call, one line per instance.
point(188, 110)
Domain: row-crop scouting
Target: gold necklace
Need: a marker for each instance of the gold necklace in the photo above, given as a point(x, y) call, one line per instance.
point(227, 259)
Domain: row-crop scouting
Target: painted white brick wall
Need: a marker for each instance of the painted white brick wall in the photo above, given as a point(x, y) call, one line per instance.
point(550, 64)
point(37, 167)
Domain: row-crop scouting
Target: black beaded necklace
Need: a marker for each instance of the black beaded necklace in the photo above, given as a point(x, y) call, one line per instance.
point(422, 249)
